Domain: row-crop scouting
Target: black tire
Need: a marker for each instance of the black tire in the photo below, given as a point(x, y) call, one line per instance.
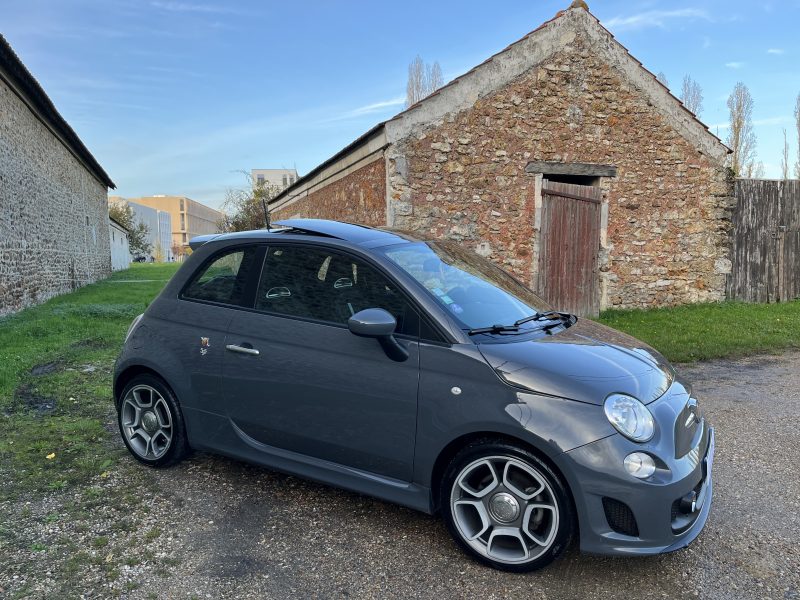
point(169, 453)
point(562, 520)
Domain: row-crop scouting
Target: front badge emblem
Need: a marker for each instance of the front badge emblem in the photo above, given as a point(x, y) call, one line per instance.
point(204, 345)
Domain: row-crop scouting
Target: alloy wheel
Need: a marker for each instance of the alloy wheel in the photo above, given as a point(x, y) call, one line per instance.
point(505, 509)
point(146, 422)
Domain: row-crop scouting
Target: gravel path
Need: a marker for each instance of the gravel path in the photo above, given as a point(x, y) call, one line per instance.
point(233, 530)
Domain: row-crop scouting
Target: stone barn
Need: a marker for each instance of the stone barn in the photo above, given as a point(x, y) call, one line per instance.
point(562, 159)
point(54, 232)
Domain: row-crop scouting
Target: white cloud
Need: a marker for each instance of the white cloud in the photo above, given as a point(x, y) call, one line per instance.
point(775, 51)
point(172, 6)
point(734, 65)
point(655, 18)
point(756, 122)
point(377, 106)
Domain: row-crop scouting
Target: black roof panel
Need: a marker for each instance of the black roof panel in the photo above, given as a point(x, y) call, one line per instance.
point(357, 234)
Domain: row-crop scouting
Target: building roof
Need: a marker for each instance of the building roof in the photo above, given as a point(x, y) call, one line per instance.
point(20, 80)
point(118, 224)
point(378, 128)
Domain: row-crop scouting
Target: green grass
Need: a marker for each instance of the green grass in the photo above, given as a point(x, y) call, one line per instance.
point(705, 331)
point(64, 411)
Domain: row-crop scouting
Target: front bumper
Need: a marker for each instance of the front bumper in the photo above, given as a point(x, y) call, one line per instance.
point(652, 519)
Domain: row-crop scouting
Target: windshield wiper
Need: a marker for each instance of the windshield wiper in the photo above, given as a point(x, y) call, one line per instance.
point(549, 315)
point(493, 329)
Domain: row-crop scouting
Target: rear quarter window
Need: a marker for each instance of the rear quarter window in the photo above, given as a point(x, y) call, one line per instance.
point(224, 278)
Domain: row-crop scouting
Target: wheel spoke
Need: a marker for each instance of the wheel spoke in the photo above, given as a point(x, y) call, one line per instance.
point(163, 414)
point(128, 406)
point(526, 493)
point(473, 472)
point(507, 543)
point(551, 530)
point(465, 512)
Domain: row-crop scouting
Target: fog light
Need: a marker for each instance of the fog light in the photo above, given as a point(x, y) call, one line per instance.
point(640, 465)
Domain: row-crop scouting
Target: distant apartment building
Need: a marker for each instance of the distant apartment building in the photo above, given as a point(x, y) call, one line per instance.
point(279, 178)
point(189, 217)
point(159, 225)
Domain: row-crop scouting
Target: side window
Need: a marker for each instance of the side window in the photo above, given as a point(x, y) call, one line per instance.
point(224, 278)
point(327, 286)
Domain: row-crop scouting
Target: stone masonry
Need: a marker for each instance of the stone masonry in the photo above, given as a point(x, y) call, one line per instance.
point(54, 233)
point(359, 197)
point(568, 93)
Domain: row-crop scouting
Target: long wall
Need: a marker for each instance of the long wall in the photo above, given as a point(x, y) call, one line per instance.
point(54, 233)
point(359, 197)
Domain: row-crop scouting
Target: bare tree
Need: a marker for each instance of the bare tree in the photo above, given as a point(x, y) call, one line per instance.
point(785, 157)
point(435, 79)
point(741, 138)
point(692, 95)
point(423, 80)
point(797, 126)
point(247, 208)
point(663, 78)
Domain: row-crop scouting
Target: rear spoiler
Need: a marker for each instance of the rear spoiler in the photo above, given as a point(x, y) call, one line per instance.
point(198, 241)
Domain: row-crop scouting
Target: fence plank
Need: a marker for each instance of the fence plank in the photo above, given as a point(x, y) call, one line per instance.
point(765, 249)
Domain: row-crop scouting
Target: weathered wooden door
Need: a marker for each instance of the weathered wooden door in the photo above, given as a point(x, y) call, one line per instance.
point(766, 241)
point(568, 275)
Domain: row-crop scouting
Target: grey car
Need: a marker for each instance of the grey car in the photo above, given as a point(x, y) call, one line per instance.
point(418, 372)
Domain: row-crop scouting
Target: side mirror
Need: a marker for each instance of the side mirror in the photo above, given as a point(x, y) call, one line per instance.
point(379, 324)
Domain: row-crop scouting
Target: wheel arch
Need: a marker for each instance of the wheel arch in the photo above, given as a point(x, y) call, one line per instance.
point(128, 373)
point(456, 445)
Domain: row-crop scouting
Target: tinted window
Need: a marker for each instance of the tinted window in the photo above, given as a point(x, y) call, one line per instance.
point(224, 278)
point(327, 286)
point(475, 291)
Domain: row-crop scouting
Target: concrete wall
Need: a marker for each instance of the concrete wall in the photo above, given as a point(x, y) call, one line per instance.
point(120, 252)
point(54, 234)
point(359, 197)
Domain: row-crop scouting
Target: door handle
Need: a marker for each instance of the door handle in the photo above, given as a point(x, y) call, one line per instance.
point(242, 350)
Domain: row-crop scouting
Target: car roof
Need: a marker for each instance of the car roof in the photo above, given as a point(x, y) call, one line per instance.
point(361, 235)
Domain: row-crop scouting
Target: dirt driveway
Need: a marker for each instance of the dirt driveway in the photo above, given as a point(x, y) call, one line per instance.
point(212, 527)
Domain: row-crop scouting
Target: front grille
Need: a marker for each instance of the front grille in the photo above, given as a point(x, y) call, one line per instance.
point(619, 517)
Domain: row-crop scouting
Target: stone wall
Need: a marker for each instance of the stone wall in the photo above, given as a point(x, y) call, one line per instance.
point(358, 197)
point(54, 233)
point(666, 240)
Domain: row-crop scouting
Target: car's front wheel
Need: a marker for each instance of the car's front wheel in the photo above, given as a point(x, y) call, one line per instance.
point(506, 507)
point(151, 422)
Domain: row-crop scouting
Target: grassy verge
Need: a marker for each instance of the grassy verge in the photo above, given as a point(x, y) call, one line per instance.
point(705, 331)
point(55, 381)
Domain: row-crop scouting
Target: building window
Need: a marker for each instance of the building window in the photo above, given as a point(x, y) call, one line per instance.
point(260, 180)
point(184, 238)
point(113, 239)
point(291, 180)
point(183, 222)
point(182, 208)
point(285, 181)
point(87, 220)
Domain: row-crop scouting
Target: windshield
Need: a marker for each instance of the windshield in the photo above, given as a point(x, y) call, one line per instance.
point(475, 291)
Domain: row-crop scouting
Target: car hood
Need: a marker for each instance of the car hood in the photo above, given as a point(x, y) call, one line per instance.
point(585, 362)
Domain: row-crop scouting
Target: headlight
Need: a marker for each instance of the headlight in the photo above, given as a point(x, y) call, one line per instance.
point(630, 417)
point(132, 327)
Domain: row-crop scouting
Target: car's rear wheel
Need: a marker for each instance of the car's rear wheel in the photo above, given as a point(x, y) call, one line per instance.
point(151, 422)
point(506, 507)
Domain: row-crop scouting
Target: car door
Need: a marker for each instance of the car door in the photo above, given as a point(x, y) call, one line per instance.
point(313, 387)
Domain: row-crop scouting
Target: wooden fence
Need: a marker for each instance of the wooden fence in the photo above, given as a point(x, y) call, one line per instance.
point(766, 241)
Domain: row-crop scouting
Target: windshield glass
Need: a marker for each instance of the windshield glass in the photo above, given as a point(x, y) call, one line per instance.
point(475, 291)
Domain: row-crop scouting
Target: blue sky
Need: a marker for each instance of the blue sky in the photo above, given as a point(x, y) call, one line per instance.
point(177, 96)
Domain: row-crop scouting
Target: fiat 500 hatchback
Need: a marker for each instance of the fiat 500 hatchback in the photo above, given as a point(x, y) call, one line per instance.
point(418, 372)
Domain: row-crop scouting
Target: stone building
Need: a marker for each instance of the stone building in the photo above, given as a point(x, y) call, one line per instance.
point(491, 158)
point(54, 232)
